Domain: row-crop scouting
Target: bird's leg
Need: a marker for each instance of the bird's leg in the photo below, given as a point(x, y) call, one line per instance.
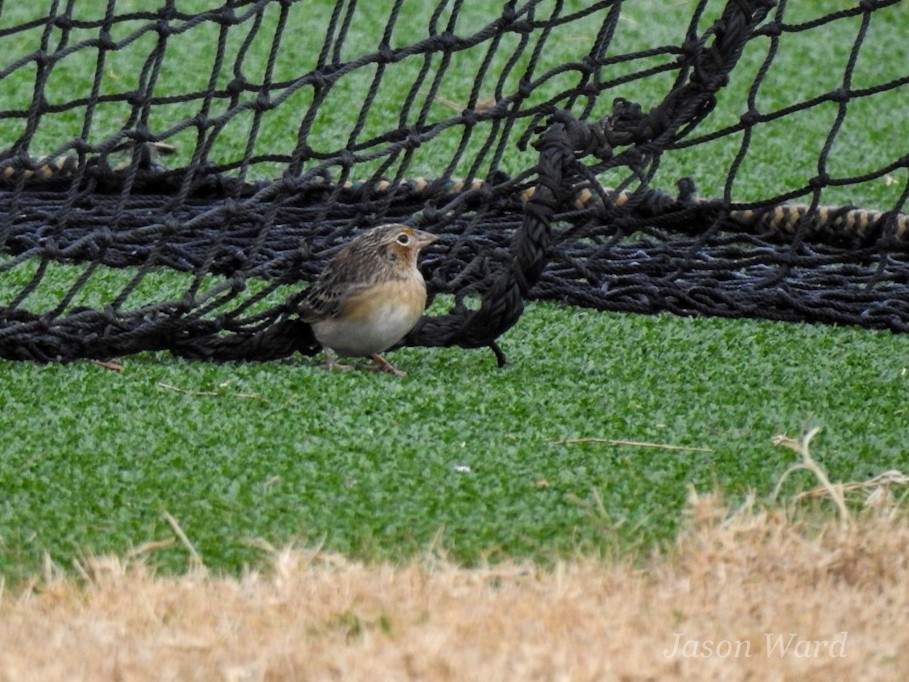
point(331, 362)
point(386, 366)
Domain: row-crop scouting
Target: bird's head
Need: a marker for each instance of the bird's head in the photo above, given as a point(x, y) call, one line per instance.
point(401, 244)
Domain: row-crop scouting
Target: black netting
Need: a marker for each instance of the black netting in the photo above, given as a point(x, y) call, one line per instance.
point(172, 177)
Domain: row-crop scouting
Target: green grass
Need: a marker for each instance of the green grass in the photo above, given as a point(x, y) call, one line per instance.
point(372, 465)
point(367, 463)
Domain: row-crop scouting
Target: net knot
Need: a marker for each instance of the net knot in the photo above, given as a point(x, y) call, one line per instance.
point(840, 95)
point(167, 13)
point(263, 102)
point(164, 29)
point(447, 41)
point(687, 189)
point(819, 181)
point(750, 117)
point(525, 89)
point(385, 55)
point(236, 86)
point(105, 41)
point(226, 16)
point(138, 98)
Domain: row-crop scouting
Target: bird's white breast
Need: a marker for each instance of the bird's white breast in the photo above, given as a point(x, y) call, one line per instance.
point(375, 320)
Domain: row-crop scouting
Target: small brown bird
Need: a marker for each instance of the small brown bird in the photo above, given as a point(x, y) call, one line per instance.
point(369, 295)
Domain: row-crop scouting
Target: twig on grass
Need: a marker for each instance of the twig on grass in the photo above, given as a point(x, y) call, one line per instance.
point(480, 106)
point(809, 464)
point(878, 486)
point(195, 557)
point(885, 479)
point(113, 365)
point(150, 546)
point(211, 394)
point(633, 443)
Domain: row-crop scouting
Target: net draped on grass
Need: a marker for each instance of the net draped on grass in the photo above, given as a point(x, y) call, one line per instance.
point(172, 177)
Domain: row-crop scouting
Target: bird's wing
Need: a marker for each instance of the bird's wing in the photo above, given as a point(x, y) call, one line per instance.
point(326, 296)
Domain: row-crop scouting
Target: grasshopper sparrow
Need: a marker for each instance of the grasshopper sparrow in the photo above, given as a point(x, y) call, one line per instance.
point(369, 295)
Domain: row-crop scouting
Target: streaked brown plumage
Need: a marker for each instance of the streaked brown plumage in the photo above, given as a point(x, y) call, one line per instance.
point(369, 295)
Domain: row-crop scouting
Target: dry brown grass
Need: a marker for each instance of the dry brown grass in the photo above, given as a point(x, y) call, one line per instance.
point(733, 577)
point(835, 591)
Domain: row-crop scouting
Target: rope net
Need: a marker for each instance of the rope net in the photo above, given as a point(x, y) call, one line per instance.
point(171, 178)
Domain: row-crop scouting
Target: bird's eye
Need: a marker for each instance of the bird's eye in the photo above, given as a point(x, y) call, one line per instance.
point(403, 239)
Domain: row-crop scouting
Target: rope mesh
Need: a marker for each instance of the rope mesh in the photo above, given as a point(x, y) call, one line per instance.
point(172, 177)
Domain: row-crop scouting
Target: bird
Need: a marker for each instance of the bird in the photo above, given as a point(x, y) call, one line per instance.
point(369, 296)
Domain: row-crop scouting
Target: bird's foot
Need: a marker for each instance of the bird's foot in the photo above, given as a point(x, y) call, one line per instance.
point(332, 364)
point(385, 366)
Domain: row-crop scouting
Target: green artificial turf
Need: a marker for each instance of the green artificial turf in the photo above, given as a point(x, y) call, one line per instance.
point(372, 465)
point(460, 455)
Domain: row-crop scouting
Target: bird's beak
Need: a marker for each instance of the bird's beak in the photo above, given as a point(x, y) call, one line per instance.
point(424, 238)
